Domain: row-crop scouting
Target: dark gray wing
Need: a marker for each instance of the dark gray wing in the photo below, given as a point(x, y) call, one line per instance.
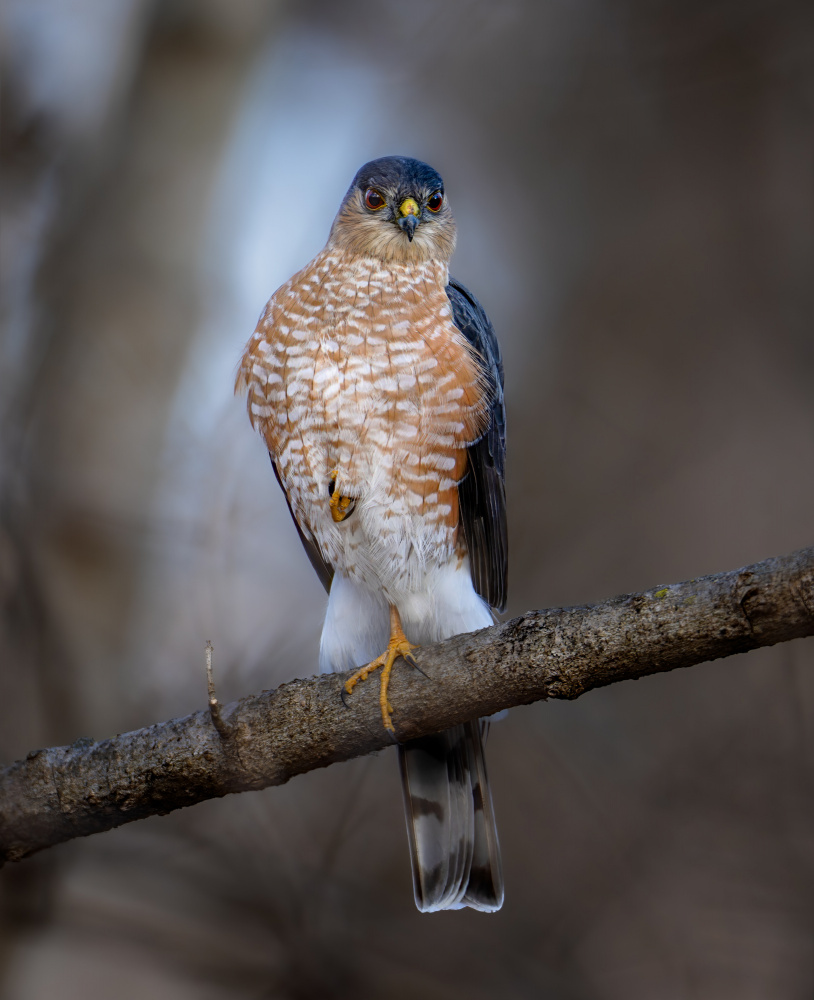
point(324, 571)
point(482, 491)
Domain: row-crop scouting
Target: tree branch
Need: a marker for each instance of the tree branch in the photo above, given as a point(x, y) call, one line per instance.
point(64, 792)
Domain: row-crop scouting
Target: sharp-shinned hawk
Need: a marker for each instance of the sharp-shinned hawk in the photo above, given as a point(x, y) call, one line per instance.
point(376, 383)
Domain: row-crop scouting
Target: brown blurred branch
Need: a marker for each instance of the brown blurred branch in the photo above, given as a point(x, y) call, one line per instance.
point(64, 792)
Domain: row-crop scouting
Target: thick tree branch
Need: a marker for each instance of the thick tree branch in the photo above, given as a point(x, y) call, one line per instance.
point(64, 792)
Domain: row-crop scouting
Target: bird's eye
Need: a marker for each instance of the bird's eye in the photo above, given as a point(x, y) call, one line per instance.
point(435, 202)
point(374, 200)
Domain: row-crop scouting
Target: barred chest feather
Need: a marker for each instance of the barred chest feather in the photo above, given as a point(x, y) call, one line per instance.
point(357, 372)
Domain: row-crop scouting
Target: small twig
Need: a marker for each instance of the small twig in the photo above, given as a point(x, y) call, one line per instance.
point(214, 704)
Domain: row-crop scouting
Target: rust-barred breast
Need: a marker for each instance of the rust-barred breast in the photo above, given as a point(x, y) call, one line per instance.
point(359, 382)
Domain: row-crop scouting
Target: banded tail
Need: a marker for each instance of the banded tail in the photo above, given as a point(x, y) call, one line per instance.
point(454, 848)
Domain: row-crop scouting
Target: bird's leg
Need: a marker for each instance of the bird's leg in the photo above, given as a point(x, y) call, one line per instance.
point(396, 647)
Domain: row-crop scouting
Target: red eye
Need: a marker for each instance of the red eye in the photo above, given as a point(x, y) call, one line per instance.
point(435, 202)
point(373, 199)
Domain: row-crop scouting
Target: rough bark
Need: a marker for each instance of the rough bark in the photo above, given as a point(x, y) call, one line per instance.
point(64, 792)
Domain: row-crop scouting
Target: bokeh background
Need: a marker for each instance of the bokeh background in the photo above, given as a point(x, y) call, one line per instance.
point(633, 188)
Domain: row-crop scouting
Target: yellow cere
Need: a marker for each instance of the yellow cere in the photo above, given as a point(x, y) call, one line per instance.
point(409, 207)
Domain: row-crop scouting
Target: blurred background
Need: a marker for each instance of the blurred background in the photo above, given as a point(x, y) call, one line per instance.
point(633, 188)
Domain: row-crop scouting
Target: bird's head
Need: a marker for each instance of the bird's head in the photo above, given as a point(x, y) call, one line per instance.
point(396, 210)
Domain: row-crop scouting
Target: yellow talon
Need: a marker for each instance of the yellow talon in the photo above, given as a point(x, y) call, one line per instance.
point(396, 647)
point(341, 507)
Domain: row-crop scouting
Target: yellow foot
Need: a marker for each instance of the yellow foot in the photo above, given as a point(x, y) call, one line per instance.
point(396, 647)
point(341, 507)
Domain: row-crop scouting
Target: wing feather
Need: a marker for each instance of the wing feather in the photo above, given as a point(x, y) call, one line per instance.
point(324, 570)
point(482, 491)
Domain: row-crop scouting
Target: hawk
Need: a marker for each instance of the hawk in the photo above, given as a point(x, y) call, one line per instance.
point(376, 383)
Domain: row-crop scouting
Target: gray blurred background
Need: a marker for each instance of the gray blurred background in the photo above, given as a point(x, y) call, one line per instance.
point(633, 188)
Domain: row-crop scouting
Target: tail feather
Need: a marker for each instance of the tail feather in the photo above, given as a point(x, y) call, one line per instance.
point(484, 890)
point(461, 830)
point(450, 822)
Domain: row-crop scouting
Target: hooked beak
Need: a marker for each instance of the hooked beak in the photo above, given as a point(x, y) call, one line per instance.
point(409, 217)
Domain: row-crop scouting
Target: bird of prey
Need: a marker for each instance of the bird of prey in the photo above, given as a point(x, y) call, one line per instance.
point(376, 383)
